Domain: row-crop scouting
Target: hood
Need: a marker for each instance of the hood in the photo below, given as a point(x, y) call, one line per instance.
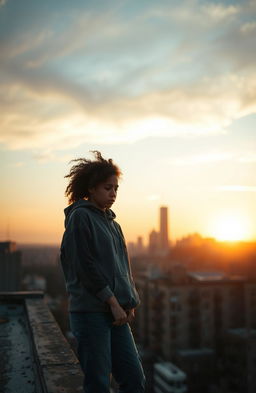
point(87, 205)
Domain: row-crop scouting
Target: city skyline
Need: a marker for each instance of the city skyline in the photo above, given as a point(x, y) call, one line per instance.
point(166, 89)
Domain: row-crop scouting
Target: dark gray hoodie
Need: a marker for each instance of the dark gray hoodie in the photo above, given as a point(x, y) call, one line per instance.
point(94, 259)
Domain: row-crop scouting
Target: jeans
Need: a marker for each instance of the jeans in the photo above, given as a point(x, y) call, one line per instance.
point(104, 348)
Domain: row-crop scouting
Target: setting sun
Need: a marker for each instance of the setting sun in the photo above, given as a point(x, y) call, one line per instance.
point(231, 227)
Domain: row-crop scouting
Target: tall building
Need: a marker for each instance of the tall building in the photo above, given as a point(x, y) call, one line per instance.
point(163, 235)
point(153, 243)
point(10, 267)
point(139, 245)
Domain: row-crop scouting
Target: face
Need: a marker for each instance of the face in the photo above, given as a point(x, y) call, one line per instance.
point(104, 194)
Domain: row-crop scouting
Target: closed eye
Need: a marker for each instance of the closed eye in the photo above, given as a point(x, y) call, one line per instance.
point(108, 188)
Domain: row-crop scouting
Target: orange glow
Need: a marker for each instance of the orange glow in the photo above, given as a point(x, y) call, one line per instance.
point(231, 227)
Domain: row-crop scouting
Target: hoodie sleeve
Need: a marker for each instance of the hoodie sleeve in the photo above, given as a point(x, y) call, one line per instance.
point(77, 252)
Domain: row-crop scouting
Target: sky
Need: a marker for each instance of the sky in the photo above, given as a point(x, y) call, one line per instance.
point(165, 88)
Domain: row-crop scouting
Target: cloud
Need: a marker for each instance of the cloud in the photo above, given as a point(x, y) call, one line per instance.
point(49, 156)
point(219, 11)
point(153, 197)
point(113, 77)
point(214, 157)
point(208, 158)
point(65, 119)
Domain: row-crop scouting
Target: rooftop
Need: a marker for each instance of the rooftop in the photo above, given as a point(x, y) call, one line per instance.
point(35, 355)
point(196, 352)
point(170, 370)
point(214, 277)
point(243, 333)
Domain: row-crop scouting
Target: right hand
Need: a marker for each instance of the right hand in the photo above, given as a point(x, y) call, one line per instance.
point(118, 312)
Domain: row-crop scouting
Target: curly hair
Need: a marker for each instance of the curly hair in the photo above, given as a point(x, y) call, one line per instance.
point(87, 174)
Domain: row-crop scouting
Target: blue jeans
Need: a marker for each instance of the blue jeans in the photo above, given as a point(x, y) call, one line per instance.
point(104, 348)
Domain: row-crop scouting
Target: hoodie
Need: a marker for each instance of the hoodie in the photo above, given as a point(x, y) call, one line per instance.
point(94, 259)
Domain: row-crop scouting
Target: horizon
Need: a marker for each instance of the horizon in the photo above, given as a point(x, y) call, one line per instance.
point(226, 242)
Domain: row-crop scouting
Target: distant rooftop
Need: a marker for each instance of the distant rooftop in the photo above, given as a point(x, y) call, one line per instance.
point(35, 355)
point(214, 276)
point(196, 352)
point(243, 333)
point(169, 369)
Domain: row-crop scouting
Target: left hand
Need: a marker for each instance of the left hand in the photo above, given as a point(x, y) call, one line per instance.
point(130, 315)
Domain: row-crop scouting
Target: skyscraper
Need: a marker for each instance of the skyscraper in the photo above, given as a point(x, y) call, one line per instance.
point(153, 243)
point(163, 235)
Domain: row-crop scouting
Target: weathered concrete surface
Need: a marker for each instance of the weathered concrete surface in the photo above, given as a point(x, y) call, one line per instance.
point(38, 312)
point(17, 372)
point(63, 379)
point(51, 346)
point(34, 355)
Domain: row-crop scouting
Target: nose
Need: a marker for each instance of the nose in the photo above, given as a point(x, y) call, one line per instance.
point(113, 192)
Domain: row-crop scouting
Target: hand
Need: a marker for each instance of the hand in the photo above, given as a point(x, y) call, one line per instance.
point(130, 315)
point(118, 312)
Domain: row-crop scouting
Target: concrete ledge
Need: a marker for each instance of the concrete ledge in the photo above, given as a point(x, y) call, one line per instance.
point(56, 368)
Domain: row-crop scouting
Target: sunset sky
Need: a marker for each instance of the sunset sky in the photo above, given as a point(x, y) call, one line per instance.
point(165, 88)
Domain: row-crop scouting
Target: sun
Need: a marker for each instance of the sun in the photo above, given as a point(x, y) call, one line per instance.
point(231, 227)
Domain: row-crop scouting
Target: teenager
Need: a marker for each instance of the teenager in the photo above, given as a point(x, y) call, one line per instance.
point(102, 294)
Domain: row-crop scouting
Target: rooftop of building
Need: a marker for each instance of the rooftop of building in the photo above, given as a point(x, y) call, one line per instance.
point(197, 352)
point(35, 355)
point(169, 370)
point(242, 333)
point(211, 276)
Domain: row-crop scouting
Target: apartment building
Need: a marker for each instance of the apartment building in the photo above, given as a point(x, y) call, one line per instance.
point(191, 315)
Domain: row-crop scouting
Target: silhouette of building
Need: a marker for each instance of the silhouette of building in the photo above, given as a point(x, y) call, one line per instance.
point(163, 233)
point(153, 243)
point(158, 243)
point(137, 248)
point(139, 245)
point(10, 267)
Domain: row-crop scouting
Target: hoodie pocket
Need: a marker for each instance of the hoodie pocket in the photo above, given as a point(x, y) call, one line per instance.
point(125, 291)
